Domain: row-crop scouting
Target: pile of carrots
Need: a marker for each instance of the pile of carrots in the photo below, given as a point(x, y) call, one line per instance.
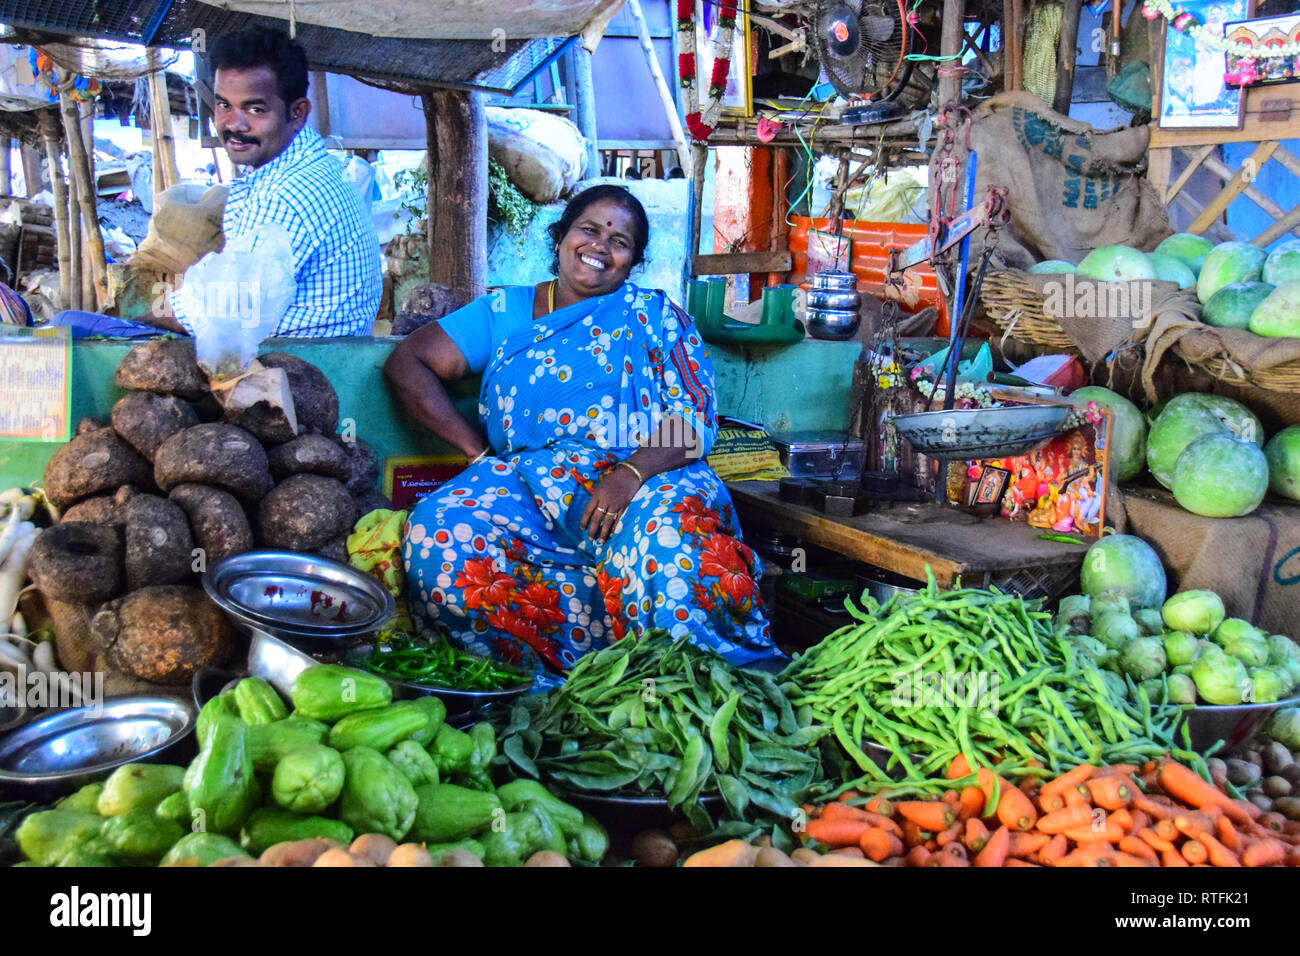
point(1161, 814)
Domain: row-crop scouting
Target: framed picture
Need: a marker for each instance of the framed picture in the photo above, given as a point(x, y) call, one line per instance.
point(986, 493)
point(1265, 34)
point(738, 100)
point(1193, 94)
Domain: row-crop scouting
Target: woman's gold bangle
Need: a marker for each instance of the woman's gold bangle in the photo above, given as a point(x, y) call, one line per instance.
point(480, 456)
point(632, 468)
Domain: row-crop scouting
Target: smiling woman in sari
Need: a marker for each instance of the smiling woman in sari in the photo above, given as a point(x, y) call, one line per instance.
point(587, 511)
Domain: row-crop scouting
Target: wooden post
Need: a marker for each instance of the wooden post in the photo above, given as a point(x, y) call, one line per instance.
point(6, 168)
point(458, 193)
point(49, 126)
point(584, 98)
point(89, 272)
point(661, 87)
point(950, 45)
point(699, 159)
point(84, 189)
point(165, 172)
point(31, 170)
point(1066, 54)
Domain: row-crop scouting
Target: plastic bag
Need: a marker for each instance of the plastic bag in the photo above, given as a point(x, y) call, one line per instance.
point(235, 298)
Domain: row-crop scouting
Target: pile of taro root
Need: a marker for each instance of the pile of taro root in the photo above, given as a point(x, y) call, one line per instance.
point(174, 484)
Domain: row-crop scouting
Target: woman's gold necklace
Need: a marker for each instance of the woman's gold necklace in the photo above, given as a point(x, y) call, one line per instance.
point(550, 297)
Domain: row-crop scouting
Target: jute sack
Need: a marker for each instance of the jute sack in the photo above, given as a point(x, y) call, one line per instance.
point(1071, 188)
point(79, 652)
point(186, 226)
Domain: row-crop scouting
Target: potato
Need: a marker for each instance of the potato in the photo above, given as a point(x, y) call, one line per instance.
point(1243, 773)
point(771, 856)
point(1253, 757)
point(1218, 770)
point(654, 848)
point(1289, 807)
point(1261, 801)
point(310, 455)
point(296, 852)
point(1292, 773)
point(236, 861)
point(459, 858)
point(410, 854)
point(336, 857)
point(375, 847)
point(77, 562)
point(1276, 786)
point(547, 858)
point(682, 831)
point(1276, 757)
point(804, 856)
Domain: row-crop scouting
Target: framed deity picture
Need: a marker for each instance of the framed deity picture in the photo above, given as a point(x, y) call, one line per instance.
point(1193, 92)
point(738, 100)
point(1266, 35)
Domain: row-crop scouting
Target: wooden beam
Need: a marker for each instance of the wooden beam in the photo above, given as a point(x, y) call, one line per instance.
point(31, 170)
point(49, 127)
point(1288, 223)
point(1287, 159)
point(458, 192)
point(6, 171)
point(1215, 208)
point(320, 80)
point(165, 174)
point(1216, 229)
point(83, 185)
point(1159, 168)
point(1066, 54)
point(660, 85)
point(1226, 172)
point(1194, 163)
point(950, 45)
point(735, 263)
point(584, 98)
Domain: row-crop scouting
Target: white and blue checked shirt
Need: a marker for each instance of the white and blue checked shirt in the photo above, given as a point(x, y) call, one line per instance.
point(335, 248)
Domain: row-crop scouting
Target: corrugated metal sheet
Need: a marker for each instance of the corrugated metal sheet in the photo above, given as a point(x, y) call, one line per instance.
point(501, 67)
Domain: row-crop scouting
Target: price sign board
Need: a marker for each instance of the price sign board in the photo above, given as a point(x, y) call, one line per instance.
point(35, 384)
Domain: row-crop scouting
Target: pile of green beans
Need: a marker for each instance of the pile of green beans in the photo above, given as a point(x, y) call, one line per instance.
point(1050, 707)
point(651, 716)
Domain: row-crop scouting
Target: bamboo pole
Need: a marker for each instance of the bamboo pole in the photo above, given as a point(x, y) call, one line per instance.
point(49, 127)
point(74, 247)
point(86, 126)
point(6, 165)
point(166, 171)
point(1066, 55)
point(84, 186)
point(661, 86)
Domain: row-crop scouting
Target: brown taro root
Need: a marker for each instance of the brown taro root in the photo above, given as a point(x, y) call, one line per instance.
point(145, 420)
point(214, 454)
point(336, 549)
point(364, 466)
point(315, 403)
point(159, 545)
point(312, 455)
point(304, 512)
point(165, 366)
point(94, 462)
point(371, 501)
point(163, 633)
point(97, 509)
point(89, 424)
point(217, 519)
point(77, 562)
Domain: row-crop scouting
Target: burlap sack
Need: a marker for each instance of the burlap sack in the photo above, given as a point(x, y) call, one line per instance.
point(1071, 188)
point(186, 226)
point(1253, 563)
point(79, 652)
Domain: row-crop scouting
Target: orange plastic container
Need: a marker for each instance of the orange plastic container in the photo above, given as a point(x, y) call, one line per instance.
point(869, 261)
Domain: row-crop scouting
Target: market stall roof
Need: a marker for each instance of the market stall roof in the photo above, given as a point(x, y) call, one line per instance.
point(500, 63)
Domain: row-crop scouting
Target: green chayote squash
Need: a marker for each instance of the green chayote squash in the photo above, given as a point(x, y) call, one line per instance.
point(376, 797)
point(309, 779)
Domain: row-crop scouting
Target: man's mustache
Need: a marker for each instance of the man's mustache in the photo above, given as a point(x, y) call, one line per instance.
point(236, 138)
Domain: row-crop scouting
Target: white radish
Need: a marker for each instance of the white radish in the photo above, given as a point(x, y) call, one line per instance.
point(9, 534)
point(13, 572)
point(13, 657)
point(43, 657)
point(11, 495)
point(18, 625)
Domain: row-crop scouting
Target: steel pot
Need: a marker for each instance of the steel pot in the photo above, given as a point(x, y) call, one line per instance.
point(837, 299)
point(843, 281)
point(834, 324)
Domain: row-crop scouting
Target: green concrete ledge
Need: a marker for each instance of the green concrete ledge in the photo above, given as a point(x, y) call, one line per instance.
point(804, 386)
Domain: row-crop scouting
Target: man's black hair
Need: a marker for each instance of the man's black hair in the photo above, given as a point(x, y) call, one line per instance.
point(258, 46)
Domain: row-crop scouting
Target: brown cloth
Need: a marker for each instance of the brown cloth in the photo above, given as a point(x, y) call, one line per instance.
point(1253, 563)
point(1071, 188)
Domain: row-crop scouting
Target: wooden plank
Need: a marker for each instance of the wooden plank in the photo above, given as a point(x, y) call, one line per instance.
point(1253, 129)
point(1217, 230)
point(735, 263)
point(1215, 208)
point(1287, 223)
point(456, 229)
point(1066, 53)
point(1224, 171)
point(1194, 163)
point(950, 45)
point(1287, 159)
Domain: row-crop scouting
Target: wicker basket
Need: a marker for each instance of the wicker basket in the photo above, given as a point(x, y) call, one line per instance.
point(1279, 378)
point(1016, 308)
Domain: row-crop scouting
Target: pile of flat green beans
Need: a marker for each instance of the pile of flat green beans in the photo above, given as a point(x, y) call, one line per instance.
point(651, 716)
point(1051, 705)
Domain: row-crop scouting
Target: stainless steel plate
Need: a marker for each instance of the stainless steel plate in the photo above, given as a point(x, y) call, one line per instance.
point(456, 701)
point(275, 661)
point(73, 747)
point(978, 433)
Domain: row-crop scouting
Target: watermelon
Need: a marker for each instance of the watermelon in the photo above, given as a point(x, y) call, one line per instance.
point(1283, 455)
point(1124, 564)
point(1238, 419)
point(1228, 262)
point(1278, 316)
point(1128, 444)
point(1283, 264)
point(1186, 418)
point(1232, 306)
point(1051, 267)
point(1219, 476)
point(1171, 269)
point(1190, 248)
point(1116, 264)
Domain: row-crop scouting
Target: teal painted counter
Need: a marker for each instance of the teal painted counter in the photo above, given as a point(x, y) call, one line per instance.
point(804, 386)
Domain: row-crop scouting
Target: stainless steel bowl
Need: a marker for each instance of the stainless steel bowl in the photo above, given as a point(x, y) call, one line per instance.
point(1234, 724)
point(835, 299)
point(964, 434)
point(834, 280)
point(66, 750)
point(275, 661)
point(833, 324)
point(458, 702)
point(308, 598)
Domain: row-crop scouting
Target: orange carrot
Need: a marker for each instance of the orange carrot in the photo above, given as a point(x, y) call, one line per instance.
point(1194, 852)
point(1110, 792)
point(952, 798)
point(932, 815)
point(1015, 862)
point(1216, 852)
point(996, 850)
point(836, 833)
point(1128, 859)
point(971, 803)
point(1140, 820)
point(954, 832)
point(1110, 833)
point(1074, 796)
point(1173, 858)
point(1228, 835)
point(1094, 854)
point(1152, 808)
point(1068, 779)
point(1050, 804)
point(917, 856)
point(1248, 808)
point(1062, 820)
point(1027, 786)
point(1023, 844)
point(977, 834)
point(848, 795)
point(1015, 810)
point(840, 811)
point(879, 805)
point(1056, 848)
point(1124, 819)
point(956, 850)
point(1154, 840)
point(990, 785)
point(1182, 784)
point(1165, 829)
point(1137, 847)
point(946, 859)
point(879, 845)
point(914, 835)
point(1264, 853)
point(1293, 856)
point(1117, 769)
point(1274, 821)
point(960, 767)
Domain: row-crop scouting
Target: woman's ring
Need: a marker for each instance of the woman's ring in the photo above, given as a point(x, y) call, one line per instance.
point(602, 510)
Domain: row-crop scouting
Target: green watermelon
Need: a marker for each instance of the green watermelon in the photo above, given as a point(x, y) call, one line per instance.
point(1051, 267)
point(1283, 264)
point(1172, 269)
point(1228, 262)
point(1124, 564)
point(1232, 306)
point(1185, 418)
point(1219, 476)
point(1283, 455)
point(1278, 316)
point(1128, 444)
point(1190, 248)
point(1116, 264)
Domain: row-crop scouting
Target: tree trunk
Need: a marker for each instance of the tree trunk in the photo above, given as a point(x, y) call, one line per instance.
point(1066, 54)
point(165, 172)
point(84, 189)
point(49, 126)
point(458, 191)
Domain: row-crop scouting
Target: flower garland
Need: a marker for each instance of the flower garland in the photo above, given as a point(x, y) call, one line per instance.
point(1188, 24)
point(701, 123)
